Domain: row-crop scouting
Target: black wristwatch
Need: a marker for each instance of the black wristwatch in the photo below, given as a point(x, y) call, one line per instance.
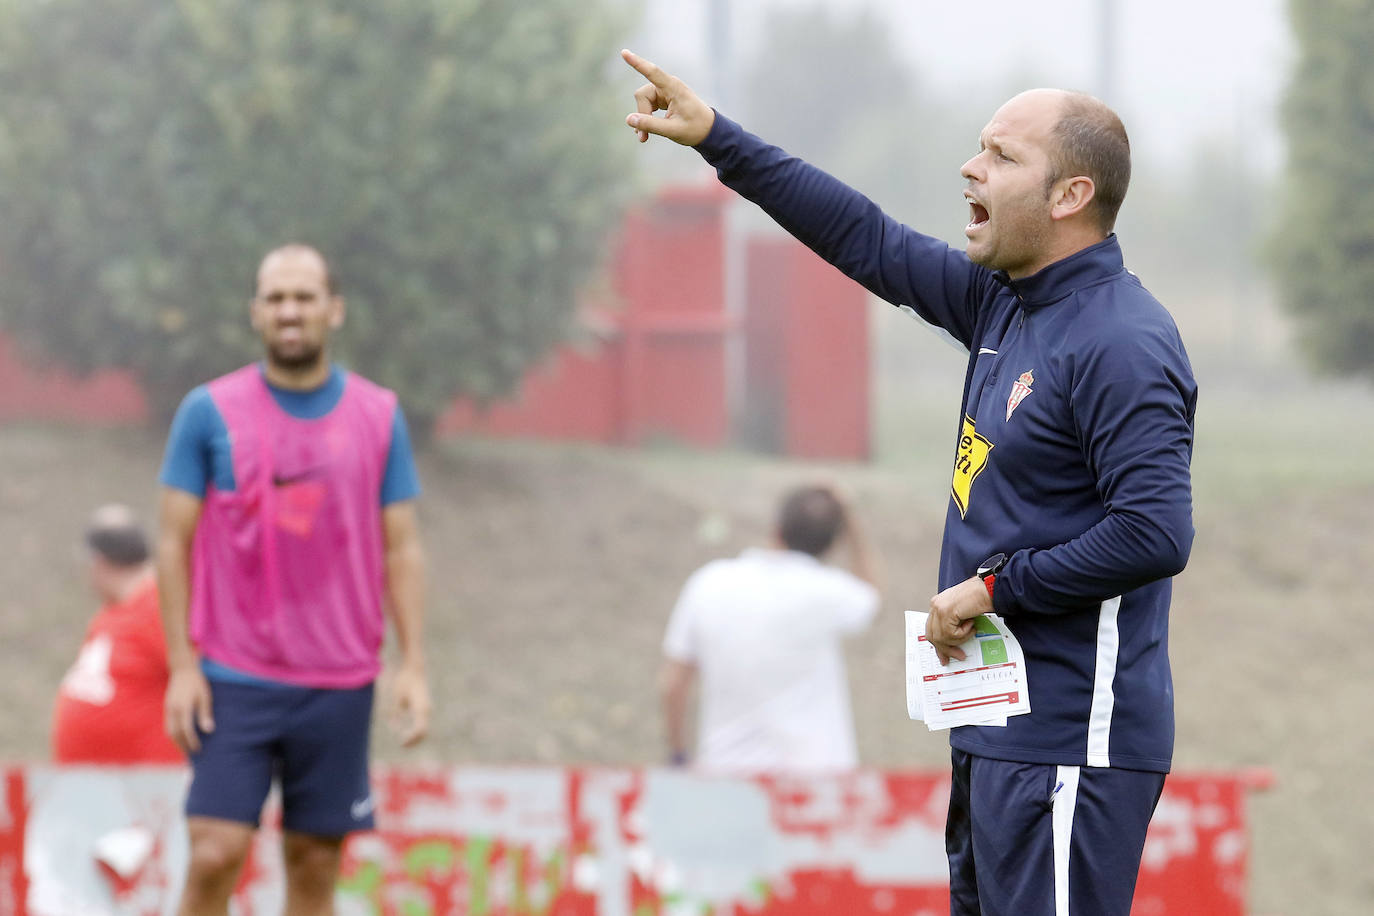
point(989, 568)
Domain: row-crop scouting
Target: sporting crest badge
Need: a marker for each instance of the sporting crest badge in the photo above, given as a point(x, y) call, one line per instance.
point(1019, 389)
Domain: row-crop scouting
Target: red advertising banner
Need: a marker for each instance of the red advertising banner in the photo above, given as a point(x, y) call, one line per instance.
point(509, 841)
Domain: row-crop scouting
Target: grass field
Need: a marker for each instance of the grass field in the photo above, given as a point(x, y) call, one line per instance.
point(554, 568)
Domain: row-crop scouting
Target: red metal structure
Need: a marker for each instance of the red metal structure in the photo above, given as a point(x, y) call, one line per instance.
point(659, 367)
point(656, 368)
point(29, 393)
point(806, 355)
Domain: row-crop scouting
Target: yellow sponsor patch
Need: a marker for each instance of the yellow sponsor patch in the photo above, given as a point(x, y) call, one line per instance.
point(969, 462)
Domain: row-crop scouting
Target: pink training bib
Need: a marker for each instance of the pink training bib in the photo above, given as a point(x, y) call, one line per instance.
point(288, 568)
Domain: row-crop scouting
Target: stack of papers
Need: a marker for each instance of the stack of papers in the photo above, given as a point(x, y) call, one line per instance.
point(983, 689)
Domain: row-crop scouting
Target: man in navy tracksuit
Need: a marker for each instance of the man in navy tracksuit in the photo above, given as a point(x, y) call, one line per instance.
point(1071, 505)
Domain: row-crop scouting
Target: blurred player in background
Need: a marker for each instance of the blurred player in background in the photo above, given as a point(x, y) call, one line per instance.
point(765, 632)
point(288, 524)
point(1070, 504)
point(109, 707)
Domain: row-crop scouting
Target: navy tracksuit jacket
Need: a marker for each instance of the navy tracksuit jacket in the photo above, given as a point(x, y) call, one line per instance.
point(1072, 458)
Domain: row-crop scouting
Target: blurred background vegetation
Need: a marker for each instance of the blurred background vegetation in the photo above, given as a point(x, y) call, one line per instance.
point(1323, 243)
point(463, 165)
point(438, 152)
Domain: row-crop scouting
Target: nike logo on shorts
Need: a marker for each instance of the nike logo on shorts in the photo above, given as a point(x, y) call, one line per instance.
point(362, 808)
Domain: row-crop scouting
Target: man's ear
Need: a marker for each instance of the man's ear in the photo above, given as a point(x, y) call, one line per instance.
point(336, 311)
point(1071, 196)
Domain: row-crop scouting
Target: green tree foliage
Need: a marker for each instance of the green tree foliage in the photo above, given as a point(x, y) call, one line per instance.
point(1324, 244)
point(457, 161)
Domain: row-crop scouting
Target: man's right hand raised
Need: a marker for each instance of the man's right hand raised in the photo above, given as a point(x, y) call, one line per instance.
point(688, 119)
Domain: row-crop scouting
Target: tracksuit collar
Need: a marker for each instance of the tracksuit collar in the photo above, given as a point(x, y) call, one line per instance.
point(1082, 268)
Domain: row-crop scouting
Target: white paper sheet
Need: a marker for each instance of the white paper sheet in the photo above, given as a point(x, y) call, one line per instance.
point(984, 689)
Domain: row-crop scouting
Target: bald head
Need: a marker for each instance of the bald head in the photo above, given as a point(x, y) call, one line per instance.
point(296, 254)
point(1089, 139)
point(1046, 102)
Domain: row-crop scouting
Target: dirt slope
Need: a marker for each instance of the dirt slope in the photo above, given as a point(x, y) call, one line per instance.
point(554, 570)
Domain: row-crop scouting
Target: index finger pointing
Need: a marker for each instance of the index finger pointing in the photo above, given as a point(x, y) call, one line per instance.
point(651, 71)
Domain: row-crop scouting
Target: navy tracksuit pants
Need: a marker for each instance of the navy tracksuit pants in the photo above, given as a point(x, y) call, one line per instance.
point(1027, 839)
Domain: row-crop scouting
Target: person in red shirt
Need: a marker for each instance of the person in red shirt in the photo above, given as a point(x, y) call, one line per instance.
point(109, 707)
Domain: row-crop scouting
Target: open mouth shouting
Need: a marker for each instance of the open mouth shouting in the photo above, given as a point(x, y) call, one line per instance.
point(978, 214)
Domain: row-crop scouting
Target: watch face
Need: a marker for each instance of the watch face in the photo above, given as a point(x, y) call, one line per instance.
point(992, 565)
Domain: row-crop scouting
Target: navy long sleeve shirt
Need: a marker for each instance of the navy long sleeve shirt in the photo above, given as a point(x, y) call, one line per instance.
point(1072, 456)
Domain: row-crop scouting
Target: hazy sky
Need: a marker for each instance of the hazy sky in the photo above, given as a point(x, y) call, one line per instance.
point(1183, 68)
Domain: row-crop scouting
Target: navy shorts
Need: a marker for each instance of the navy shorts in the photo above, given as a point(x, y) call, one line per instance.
point(314, 741)
point(1030, 839)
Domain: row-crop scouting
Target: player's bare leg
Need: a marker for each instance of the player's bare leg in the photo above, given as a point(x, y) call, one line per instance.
point(218, 851)
point(312, 870)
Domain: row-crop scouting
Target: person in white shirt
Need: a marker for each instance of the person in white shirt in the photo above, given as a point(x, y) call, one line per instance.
point(765, 632)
